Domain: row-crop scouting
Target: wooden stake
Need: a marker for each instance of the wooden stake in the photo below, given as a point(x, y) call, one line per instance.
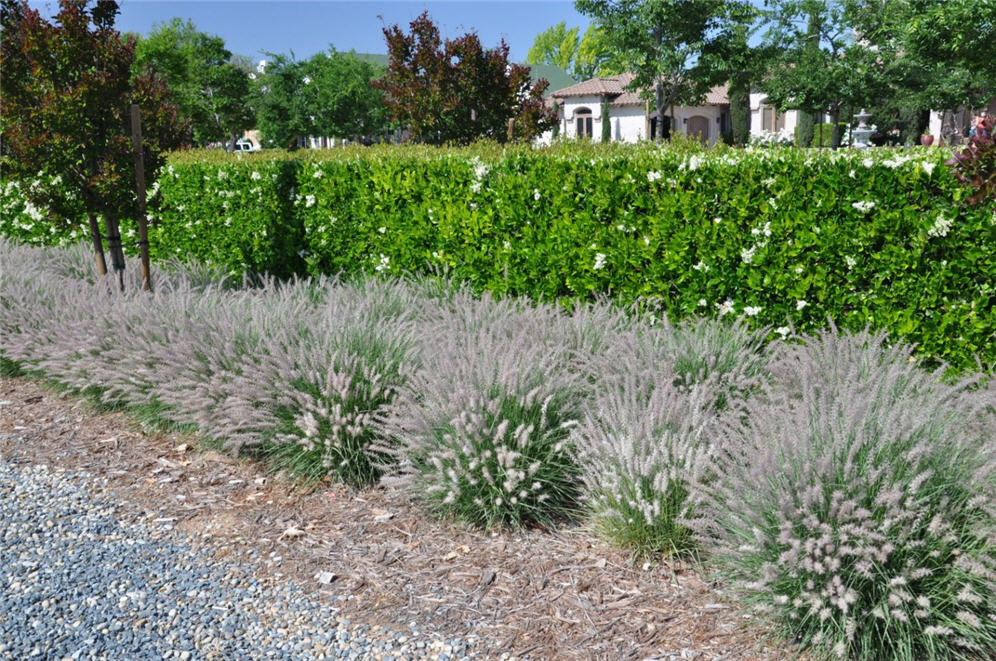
point(143, 221)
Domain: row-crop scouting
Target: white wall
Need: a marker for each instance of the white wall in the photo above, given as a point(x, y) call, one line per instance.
point(758, 99)
point(629, 123)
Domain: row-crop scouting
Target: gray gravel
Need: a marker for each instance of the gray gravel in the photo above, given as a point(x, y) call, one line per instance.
point(83, 578)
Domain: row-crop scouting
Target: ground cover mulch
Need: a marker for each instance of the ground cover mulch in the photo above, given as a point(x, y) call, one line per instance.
point(532, 594)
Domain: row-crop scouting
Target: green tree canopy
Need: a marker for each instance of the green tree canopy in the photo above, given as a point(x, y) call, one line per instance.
point(662, 40)
point(329, 94)
point(339, 97)
point(210, 86)
point(586, 57)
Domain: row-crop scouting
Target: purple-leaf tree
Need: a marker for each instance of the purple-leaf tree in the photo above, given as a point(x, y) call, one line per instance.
point(457, 91)
point(67, 88)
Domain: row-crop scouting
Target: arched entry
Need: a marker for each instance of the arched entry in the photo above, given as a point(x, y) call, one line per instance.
point(698, 126)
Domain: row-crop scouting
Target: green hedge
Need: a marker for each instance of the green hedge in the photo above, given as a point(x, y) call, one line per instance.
point(787, 237)
point(781, 235)
point(233, 211)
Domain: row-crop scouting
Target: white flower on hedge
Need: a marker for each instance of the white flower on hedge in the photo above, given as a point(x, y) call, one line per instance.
point(703, 303)
point(941, 226)
point(475, 187)
point(769, 182)
point(868, 163)
point(701, 266)
point(222, 174)
point(382, 230)
point(752, 311)
point(863, 207)
point(384, 263)
point(255, 176)
point(766, 230)
point(747, 254)
point(318, 174)
point(783, 331)
point(599, 261)
point(852, 175)
point(850, 261)
point(309, 200)
point(261, 67)
point(306, 80)
point(653, 176)
point(725, 307)
point(32, 211)
point(536, 194)
point(928, 167)
point(800, 304)
point(694, 162)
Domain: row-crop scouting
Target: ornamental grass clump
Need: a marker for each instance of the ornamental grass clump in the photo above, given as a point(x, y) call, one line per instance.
point(730, 357)
point(644, 442)
point(642, 450)
point(855, 503)
point(330, 385)
point(483, 427)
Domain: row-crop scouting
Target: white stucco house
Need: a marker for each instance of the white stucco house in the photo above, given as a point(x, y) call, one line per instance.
point(631, 118)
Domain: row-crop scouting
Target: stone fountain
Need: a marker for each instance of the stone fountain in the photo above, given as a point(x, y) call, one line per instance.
point(861, 133)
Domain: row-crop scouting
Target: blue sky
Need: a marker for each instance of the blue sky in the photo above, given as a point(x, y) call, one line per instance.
point(251, 27)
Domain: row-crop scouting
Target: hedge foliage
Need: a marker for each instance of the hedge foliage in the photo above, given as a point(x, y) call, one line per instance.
point(787, 238)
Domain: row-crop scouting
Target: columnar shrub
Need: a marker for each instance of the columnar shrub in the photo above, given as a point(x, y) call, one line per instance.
point(483, 427)
point(854, 503)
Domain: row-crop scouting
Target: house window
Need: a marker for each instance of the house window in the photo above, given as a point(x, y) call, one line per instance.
point(583, 118)
point(771, 119)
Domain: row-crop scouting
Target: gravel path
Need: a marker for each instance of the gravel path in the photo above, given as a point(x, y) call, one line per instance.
point(83, 578)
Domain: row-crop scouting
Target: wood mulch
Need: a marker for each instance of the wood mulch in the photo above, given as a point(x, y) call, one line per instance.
point(535, 594)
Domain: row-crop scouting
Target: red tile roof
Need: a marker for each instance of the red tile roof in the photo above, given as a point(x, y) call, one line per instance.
point(615, 86)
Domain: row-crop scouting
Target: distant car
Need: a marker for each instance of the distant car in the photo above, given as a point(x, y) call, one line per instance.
point(244, 145)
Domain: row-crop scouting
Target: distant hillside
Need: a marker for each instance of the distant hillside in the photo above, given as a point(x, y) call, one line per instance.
point(558, 78)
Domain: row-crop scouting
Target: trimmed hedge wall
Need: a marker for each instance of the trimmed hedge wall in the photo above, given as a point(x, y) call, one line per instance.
point(877, 238)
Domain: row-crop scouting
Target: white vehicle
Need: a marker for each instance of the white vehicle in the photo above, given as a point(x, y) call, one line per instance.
point(244, 145)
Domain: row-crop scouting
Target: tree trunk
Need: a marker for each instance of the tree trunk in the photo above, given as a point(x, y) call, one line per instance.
point(98, 244)
point(740, 111)
point(835, 121)
point(659, 100)
point(114, 247)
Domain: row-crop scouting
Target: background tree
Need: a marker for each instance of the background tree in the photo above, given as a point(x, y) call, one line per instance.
point(937, 55)
point(830, 72)
point(330, 94)
point(339, 98)
point(211, 87)
point(67, 89)
point(586, 57)
point(281, 117)
point(728, 57)
point(661, 39)
point(457, 91)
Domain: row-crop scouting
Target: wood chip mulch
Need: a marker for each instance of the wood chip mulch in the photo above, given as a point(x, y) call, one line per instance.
point(530, 594)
